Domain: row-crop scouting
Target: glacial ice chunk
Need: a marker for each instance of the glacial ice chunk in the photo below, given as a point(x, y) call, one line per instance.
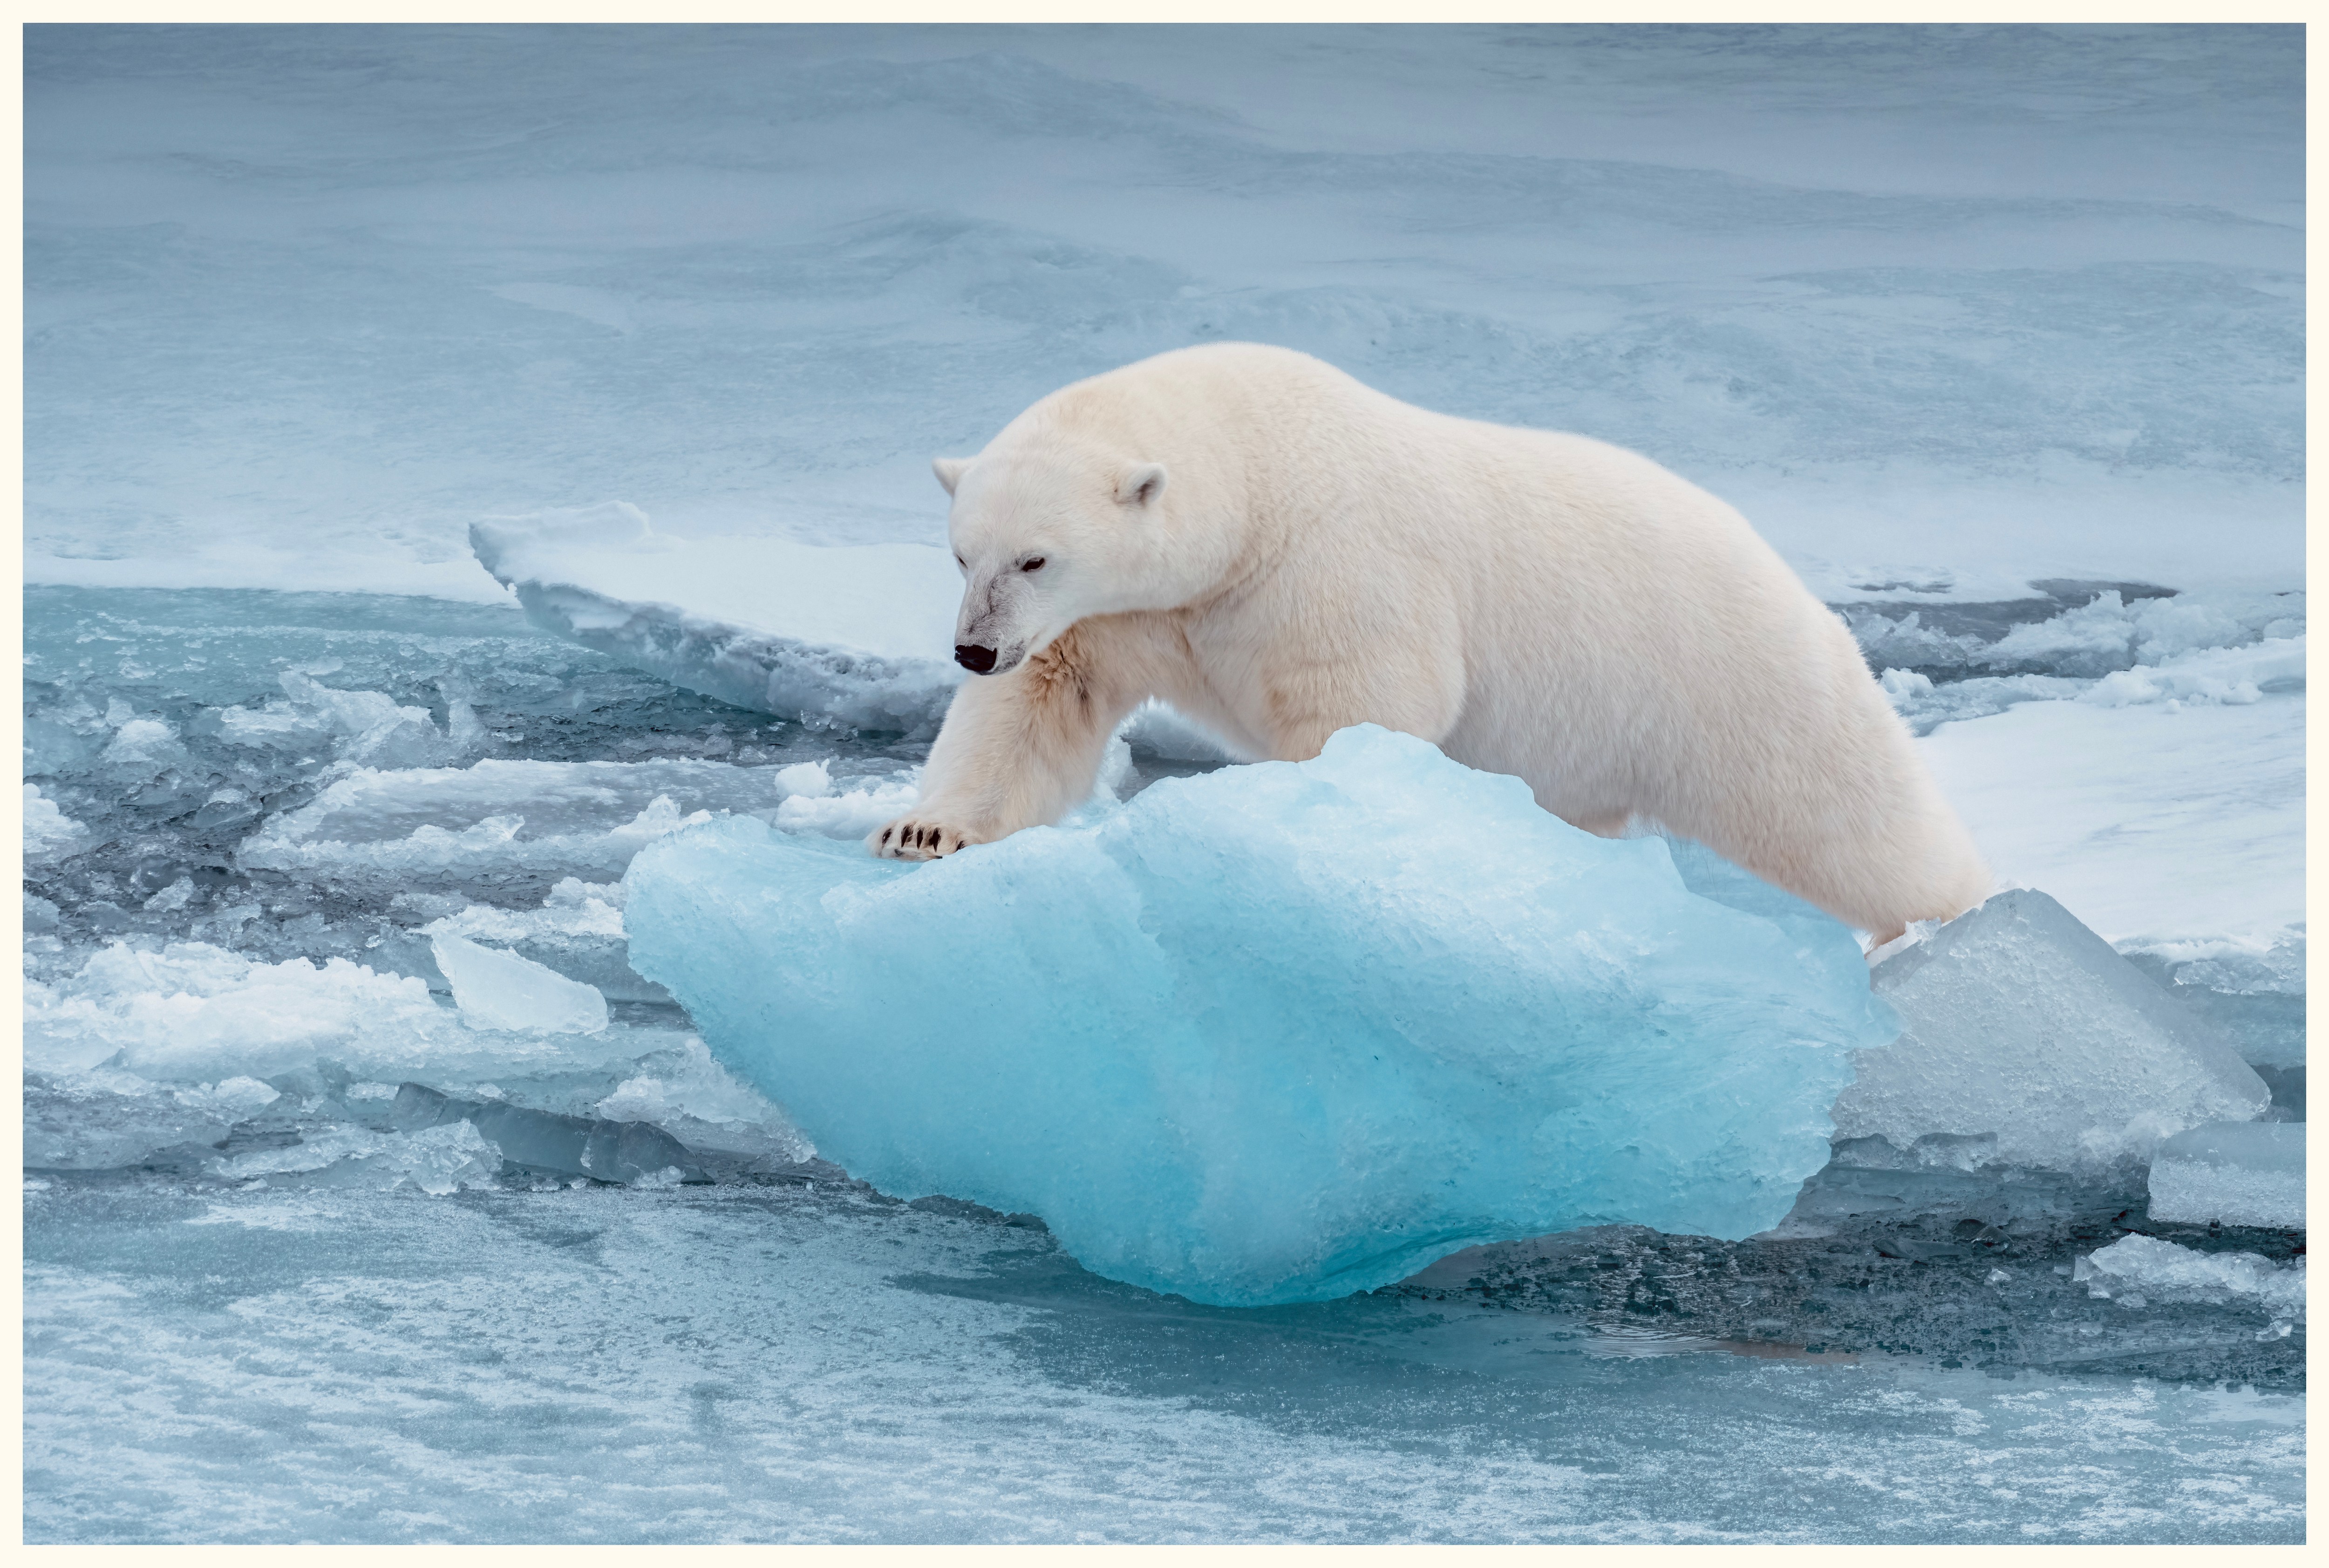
point(501, 990)
point(2235, 1173)
point(1275, 1033)
point(2021, 1025)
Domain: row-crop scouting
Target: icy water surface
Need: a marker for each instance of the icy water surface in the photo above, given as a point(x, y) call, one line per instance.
point(341, 1315)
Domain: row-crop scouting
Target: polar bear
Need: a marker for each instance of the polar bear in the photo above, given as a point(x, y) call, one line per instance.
point(1277, 552)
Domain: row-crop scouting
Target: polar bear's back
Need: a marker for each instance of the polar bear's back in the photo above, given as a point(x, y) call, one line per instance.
point(1619, 638)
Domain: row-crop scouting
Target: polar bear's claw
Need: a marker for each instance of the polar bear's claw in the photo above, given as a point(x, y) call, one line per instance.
point(906, 839)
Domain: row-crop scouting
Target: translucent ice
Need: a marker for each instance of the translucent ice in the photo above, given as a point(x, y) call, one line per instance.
point(1278, 1033)
point(502, 991)
point(436, 1160)
point(2234, 1172)
point(108, 1118)
point(538, 1140)
point(2137, 1271)
point(2023, 1029)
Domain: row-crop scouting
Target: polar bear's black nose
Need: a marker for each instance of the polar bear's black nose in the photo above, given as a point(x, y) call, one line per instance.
point(977, 660)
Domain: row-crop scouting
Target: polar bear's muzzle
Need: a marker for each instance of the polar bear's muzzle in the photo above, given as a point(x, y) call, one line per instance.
point(982, 660)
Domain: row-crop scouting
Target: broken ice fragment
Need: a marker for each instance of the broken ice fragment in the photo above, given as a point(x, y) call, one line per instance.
point(49, 833)
point(2137, 1270)
point(2233, 1173)
point(2019, 1023)
point(541, 1140)
point(500, 990)
point(438, 1160)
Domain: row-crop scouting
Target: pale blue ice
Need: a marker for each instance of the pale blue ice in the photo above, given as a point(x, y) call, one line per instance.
point(1278, 1033)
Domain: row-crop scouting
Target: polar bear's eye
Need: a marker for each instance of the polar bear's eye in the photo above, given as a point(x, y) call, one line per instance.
point(1033, 564)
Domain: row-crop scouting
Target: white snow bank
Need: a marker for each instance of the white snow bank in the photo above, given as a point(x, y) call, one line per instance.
point(2135, 1270)
point(2233, 1173)
point(2026, 1040)
point(891, 601)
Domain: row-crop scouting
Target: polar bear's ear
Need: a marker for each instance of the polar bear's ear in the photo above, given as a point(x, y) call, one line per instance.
point(950, 471)
point(1140, 484)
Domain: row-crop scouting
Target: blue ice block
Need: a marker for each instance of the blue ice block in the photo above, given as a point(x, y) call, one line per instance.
point(1276, 1032)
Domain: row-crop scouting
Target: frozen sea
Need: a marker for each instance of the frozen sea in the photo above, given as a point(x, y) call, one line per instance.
point(1995, 334)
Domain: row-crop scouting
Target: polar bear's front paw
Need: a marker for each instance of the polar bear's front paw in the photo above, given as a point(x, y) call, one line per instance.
point(917, 839)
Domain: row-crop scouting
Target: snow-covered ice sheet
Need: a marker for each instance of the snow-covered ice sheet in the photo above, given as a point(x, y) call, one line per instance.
point(894, 601)
point(2150, 822)
point(1965, 308)
point(859, 634)
point(1278, 1033)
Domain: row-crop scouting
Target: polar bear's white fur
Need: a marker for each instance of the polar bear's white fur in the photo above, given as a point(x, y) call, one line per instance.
point(1279, 552)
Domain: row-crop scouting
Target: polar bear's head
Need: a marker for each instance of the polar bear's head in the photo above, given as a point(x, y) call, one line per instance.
point(1047, 534)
